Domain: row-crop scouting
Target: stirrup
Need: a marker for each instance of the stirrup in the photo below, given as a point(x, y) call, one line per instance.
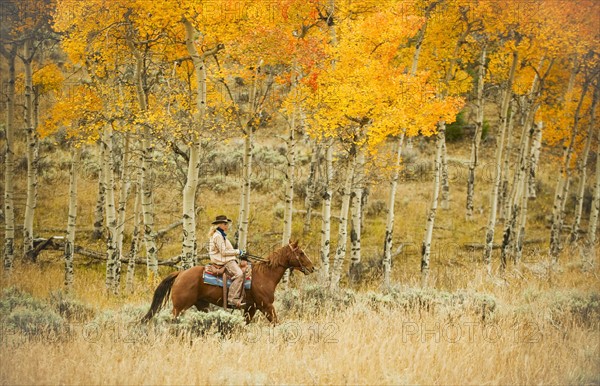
point(236, 305)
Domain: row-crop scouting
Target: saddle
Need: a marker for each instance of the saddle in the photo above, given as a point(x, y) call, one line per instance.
point(213, 275)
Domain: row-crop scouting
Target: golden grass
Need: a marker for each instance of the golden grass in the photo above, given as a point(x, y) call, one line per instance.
point(521, 343)
point(356, 348)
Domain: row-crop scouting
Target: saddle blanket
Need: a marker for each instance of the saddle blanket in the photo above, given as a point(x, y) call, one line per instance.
point(211, 279)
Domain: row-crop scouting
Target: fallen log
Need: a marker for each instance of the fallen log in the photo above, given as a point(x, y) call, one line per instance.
point(58, 243)
point(480, 246)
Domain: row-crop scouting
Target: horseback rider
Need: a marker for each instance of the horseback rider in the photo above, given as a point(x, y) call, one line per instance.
point(224, 255)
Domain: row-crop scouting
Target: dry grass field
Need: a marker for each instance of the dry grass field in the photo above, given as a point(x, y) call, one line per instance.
point(530, 325)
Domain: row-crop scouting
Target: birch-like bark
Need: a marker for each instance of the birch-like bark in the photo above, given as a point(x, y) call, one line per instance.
point(9, 164)
point(327, 192)
point(112, 262)
point(121, 209)
point(563, 184)
point(519, 188)
point(146, 177)
point(513, 196)
point(99, 212)
point(340, 252)
point(135, 240)
point(326, 213)
point(511, 227)
point(31, 135)
point(445, 180)
point(188, 254)
point(426, 246)
point(591, 237)
point(477, 137)
point(389, 224)
point(72, 221)
point(244, 218)
point(289, 189)
point(503, 201)
point(289, 185)
point(245, 191)
point(525, 197)
point(311, 186)
point(148, 208)
point(582, 168)
point(356, 216)
point(505, 117)
point(534, 158)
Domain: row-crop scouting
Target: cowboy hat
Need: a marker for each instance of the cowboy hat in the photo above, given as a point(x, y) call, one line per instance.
point(221, 219)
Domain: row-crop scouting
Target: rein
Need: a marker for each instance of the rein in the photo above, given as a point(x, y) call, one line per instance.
point(254, 257)
point(302, 267)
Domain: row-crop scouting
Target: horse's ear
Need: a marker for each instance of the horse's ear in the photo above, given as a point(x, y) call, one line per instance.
point(295, 244)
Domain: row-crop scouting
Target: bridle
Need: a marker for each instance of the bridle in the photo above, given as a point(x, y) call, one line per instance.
point(294, 250)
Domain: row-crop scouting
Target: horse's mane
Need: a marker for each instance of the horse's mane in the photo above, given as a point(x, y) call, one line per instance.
point(271, 261)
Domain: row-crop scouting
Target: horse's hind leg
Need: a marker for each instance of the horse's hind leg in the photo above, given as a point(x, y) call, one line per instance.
point(202, 305)
point(249, 313)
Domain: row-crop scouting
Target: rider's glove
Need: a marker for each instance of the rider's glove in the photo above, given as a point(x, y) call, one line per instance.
point(242, 254)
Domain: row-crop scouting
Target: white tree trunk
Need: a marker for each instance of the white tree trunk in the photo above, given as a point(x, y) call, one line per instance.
point(445, 181)
point(356, 216)
point(511, 227)
point(477, 137)
point(533, 161)
point(121, 210)
point(562, 185)
point(389, 224)
point(31, 135)
point(340, 253)
point(503, 201)
point(505, 117)
point(289, 189)
point(135, 240)
point(246, 189)
point(112, 263)
point(9, 166)
point(520, 239)
point(591, 239)
point(99, 212)
point(289, 183)
point(326, 214)
point(248, 131)
point(188, 253)
point(72, 221)
point(148, 208)
point(146, 162)
point(311, 187)
point(426, 246)
point(582, 167)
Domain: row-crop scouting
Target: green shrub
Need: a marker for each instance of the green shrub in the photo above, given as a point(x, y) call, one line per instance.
point(219, 322)
point(35, 322)
point(582, 307)
point(315, 299)
point(455, 130)
point(70, 308)
point(13, 297)
point(431, 300)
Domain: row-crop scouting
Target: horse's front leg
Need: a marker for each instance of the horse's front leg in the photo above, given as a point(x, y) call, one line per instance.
point(269, 312)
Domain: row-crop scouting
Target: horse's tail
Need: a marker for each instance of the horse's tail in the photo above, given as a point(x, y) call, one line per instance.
point(161, 296)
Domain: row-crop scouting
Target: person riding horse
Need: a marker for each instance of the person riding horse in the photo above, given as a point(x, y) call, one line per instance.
point(222, 254)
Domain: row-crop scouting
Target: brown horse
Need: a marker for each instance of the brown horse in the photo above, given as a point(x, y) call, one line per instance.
point(188, 289)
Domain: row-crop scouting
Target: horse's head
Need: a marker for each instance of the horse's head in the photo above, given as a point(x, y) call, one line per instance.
point(299, 260)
